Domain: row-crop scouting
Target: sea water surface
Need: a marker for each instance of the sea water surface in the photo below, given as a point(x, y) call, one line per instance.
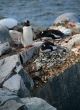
point(39, 12)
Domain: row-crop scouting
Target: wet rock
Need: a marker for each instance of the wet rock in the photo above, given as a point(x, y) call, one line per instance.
point(4, 34)
point(63, 91)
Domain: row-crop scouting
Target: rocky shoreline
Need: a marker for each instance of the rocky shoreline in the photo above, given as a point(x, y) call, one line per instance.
point(40, 70)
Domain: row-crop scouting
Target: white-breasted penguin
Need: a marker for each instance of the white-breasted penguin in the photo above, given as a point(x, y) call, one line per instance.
point(27, 38)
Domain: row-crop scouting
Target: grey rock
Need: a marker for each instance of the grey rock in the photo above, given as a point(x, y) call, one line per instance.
point(4, 34)
point(37, 104)
point(63, 91)
point(7, 65)
point(4, 48)
point(16, 36)
point(14, 77)
point(27, 54)
point(9, 101)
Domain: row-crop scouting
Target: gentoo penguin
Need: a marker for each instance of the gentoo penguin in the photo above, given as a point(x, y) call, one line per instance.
point(27, 38)
point(54, 34)
point(48, 45)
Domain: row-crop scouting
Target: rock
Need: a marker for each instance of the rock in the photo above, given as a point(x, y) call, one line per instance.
point(63, 91)
point(5, 47)
point(37, 103)
point(13, 83)
point(9, 101)
point(16, 36)
point(4, 34)
point(50, 59)
point(19, 27)
point(8, 22)
point(66, 17)
point(7, 65)
point(13, 77)
point(28, 53)
point(64, 30)
point(75, 40)
point(37, 43)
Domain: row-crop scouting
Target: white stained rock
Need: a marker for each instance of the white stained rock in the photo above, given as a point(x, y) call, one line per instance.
point(64, 30)
point(74, 41)
point(37, 43)
point(13, 83)
point(8, 22)
point(66, 17)
point(16, 36)
point(4, 47)
point(7, 65)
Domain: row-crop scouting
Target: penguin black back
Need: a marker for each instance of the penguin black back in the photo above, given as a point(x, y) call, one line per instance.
point(47, 45)
point(51, 33)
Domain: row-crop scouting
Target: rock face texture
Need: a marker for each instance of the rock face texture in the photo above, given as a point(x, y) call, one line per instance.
point(63, 91)
point(4, 34)
point(14, 77)
point(9, 101)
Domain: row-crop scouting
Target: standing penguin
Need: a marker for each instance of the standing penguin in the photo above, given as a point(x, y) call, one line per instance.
point(27, 38)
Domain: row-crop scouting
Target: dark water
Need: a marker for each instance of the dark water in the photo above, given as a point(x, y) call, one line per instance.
point(40, 12)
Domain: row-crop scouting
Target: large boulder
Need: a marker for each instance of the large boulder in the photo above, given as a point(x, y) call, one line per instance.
point(4, 34)
point(63, 91)
point(67, 17)
point(14, 77)
point(9, 101)
point(8, 22)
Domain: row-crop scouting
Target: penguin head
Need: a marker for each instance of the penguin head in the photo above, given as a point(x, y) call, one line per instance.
point(27, 23)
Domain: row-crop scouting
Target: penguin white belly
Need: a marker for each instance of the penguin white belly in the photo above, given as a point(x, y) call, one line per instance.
point(27, 36)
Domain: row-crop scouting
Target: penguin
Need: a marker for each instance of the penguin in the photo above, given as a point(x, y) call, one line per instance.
point(27, 38)
point(54, 34)
point(48, 45)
